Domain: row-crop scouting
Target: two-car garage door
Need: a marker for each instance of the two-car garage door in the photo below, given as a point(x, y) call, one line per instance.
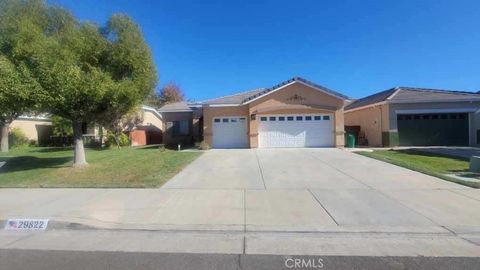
point(295, 131)
point(312, 130)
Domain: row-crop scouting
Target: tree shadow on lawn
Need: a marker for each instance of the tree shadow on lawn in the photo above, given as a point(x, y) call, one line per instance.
point(25, 163)
point(52, 149)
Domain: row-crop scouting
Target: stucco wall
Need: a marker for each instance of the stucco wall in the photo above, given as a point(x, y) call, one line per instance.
point(298, 98)
point(210, 112)
point(30, 127)
point(168, 118)
point(149, 118)
point(372, 121)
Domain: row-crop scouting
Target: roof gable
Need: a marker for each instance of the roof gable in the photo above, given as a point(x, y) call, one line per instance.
point(291, 81)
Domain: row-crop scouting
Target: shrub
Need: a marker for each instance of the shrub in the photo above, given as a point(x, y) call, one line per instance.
point(17, 138)
point(123, 140)
point(203, 146)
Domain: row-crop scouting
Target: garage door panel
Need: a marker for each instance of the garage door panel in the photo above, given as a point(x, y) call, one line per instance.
point(230, 132)
point(296, 131)
point(441, 129)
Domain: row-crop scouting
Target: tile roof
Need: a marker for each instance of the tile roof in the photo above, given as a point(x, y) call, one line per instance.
point(247, 96)
point(233, 99)
point(175, 107)
point(414, 95)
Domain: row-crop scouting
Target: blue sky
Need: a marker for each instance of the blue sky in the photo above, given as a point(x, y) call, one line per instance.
point(215, 48)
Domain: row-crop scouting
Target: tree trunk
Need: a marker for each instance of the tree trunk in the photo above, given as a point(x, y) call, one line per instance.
point(117, 140)
point(79, 152)
point(4, 143)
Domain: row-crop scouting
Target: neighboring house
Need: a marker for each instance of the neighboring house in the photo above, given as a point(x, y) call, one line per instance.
point(150, 131)
point(416, 117)
point(294, 113)
point(38, 129)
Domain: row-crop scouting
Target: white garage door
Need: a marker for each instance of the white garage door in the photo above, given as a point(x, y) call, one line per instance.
point(296, 130)
point(230, 132)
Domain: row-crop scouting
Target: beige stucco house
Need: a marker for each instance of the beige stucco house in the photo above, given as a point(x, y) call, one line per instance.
point(37, 128)
point(294, 113)
point(409, 116)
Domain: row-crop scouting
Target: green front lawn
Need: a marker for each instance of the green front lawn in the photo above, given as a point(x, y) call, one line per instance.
point(427, 163)
point(128, 167)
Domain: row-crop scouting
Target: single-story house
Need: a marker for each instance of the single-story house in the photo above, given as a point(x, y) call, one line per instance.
point(150, 131)
point(37, 128)
point(409, 116)
point(294, 113)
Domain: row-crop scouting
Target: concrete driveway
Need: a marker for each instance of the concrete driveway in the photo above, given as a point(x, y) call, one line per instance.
point(324, 189)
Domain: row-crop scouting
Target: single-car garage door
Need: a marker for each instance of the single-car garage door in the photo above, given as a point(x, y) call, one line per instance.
point(295, 131)
point(445, 129)
point(230, 132)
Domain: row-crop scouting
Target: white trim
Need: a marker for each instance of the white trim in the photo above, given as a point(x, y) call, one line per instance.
point(290, 83)
point(394, 93)
point(170, 111)
point(33, 118)
point(151, 109)
point(470, 137)
point(454, 110)
point(476, 99)
point(224, 105)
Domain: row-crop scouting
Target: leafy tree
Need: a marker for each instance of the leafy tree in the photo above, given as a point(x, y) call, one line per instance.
point(61, 126)
point(170, 93)
point(85, 71)
point(17, 91)
point(117, 122)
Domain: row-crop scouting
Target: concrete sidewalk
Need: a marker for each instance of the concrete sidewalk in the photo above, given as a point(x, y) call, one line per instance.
point(435, 243)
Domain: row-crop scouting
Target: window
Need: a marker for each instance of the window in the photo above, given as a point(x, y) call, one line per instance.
point(326, 117)
point(242, 119)
point(435, 116)
point(272, 118)
point(408, 117)
point(416, 117)
point(444, 116)
point(233, 120)
point(289, 118)
point(426, 116)
point(318, 117)
point(462, 116)
point(281, 118)
point(308, 118)
point(263, 118)
point(180, 128)
point(225, 120)
point(299, 118)
point(216, 120)
point(453, 116)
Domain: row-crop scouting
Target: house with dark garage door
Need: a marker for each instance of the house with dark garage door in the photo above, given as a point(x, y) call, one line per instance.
point(406, 116)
